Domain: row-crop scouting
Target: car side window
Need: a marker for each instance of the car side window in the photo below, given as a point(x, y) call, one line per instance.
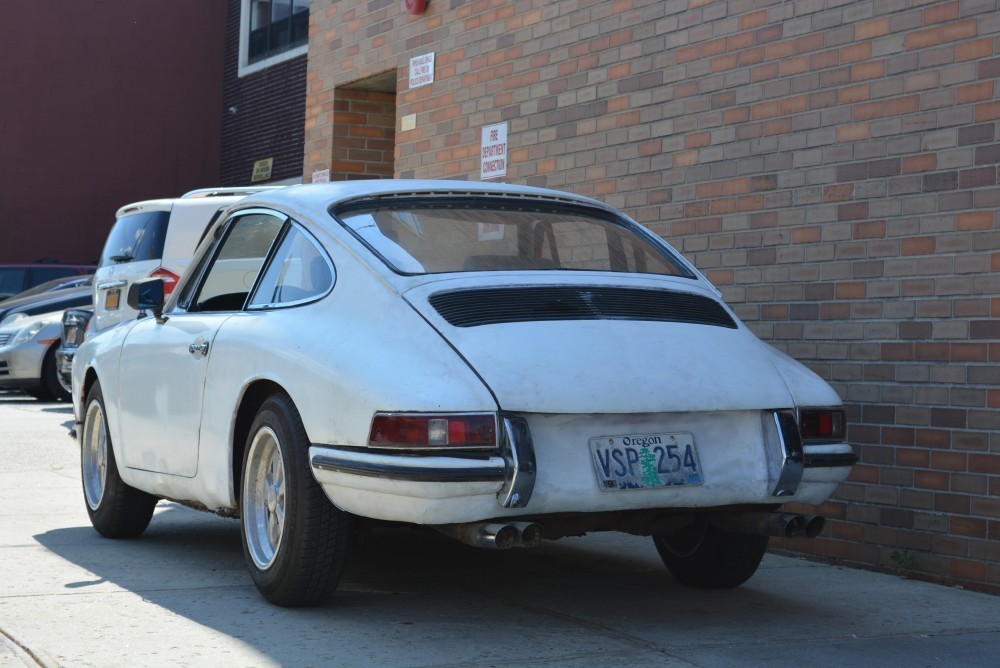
point(238, 262)
point(12, 281)
point(300, 271)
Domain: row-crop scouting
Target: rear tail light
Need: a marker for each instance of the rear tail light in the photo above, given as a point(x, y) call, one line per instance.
point(821, 424)
point(422, 430)
point(169, 280)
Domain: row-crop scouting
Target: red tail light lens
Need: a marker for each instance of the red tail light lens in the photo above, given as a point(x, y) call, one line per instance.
point(824, 424)
point(421, 430)
point(169, 280)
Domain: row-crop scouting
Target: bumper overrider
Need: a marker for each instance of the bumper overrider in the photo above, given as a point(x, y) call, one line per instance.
point(465, 486)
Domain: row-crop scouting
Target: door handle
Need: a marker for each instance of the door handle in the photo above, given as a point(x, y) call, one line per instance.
point(199, 348)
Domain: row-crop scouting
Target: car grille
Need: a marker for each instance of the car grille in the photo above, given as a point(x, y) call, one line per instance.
point(4, 339)
point(490, 306)
point(4, 369)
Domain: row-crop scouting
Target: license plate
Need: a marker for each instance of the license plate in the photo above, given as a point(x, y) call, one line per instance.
point(645, 461)
point(112, 298)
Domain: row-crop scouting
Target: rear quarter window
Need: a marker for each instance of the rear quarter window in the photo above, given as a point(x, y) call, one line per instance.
point(136, 237)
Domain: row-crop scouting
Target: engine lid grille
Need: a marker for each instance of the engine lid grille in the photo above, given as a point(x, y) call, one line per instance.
point(491, 306)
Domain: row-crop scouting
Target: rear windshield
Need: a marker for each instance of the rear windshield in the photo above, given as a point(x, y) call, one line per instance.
point(428, 237)
point(136, 237)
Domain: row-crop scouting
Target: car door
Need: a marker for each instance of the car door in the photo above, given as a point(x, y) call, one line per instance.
point(165, 363)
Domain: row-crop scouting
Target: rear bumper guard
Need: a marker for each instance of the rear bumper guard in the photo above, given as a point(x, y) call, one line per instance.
point(789, 457)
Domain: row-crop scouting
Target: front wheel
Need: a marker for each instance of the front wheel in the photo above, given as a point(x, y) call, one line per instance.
point(116, 510)
point(704, 556)
point(50, 376)
point(294, 539)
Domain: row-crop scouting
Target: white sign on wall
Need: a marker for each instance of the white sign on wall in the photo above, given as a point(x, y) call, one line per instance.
point(494, 151)
point(422, 70)
point(321, 176)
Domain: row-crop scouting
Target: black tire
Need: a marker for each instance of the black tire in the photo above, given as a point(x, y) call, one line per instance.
point(704, 556)
point(39, 393)
point(116, 510)
point(294, 540)
point(50, 376)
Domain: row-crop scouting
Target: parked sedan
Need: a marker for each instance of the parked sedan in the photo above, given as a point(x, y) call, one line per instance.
point(504, 364)
point(30, 332)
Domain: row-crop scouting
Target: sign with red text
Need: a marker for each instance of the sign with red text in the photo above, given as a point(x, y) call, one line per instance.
point(494, 151)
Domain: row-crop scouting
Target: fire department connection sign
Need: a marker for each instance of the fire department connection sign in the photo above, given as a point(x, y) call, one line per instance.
point(494, 151)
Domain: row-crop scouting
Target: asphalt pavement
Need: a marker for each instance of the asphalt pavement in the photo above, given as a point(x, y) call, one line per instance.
point(180, 595)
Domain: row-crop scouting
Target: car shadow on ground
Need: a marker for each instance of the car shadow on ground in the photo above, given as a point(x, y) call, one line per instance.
point(601, 594)
point(18, 397)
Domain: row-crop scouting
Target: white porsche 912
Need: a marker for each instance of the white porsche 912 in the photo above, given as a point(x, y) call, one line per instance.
point(504, 364)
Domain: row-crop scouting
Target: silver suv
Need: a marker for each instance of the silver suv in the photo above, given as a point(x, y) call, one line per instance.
point(154, 238)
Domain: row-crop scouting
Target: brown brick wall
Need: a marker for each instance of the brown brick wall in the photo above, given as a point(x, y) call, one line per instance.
point(268, 113)
point(832, 166)
point(364, 128)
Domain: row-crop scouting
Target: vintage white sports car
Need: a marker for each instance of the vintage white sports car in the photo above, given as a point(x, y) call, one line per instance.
point(504, 364)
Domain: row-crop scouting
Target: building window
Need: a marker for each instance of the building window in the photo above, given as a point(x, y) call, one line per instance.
point(272, 31)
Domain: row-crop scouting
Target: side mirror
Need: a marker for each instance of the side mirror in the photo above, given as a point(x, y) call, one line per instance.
point(147, 294)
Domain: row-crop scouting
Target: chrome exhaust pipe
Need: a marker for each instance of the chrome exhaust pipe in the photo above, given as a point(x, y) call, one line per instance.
point(490, 535)
point(529, 533)
point(786, 525)
point(813, 525)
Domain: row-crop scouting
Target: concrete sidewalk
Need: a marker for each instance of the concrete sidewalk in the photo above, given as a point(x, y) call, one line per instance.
point(180, 595)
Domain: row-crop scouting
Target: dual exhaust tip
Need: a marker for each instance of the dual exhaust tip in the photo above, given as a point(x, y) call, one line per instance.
point(786, 525)
point(495, 535)
point(506, 535)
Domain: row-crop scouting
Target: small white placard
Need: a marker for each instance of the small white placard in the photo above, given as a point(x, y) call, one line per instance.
point(321, 176)
point(490, 231)
point(494, 151)
point(422, 70)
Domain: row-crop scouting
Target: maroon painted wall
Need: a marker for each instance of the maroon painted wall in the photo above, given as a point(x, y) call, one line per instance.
point(102, 104)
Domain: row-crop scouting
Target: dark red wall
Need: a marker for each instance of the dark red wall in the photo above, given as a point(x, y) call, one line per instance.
point(101, 104)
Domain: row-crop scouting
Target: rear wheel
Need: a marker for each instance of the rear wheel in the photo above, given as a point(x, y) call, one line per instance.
point(704, 556)
point(116, 510)
point(294, 539)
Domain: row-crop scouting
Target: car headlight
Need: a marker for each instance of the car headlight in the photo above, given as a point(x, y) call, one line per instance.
point(11, 319)
point(27, 334)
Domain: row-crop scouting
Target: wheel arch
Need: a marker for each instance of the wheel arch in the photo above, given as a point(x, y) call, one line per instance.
point(253, 398)
point(88, 382)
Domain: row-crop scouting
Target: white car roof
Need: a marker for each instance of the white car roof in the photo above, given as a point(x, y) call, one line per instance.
point(314, 199)
point(202, 197)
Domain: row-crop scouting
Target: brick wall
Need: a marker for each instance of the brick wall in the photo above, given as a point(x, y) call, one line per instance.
point(262, 115)
point(830, 164)
point(364, 128)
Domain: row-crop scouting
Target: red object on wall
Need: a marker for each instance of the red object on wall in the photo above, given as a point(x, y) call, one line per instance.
point(416, 6)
